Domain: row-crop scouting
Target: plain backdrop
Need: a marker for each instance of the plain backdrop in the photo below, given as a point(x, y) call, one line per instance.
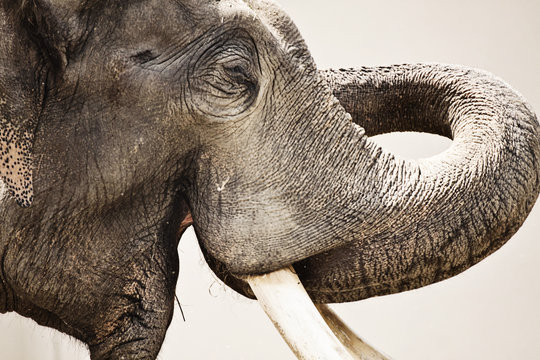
point(491, 311)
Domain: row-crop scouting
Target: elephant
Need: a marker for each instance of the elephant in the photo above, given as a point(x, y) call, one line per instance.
point(119, 131)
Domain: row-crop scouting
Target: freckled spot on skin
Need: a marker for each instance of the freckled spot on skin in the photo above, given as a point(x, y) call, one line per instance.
point(15, 163)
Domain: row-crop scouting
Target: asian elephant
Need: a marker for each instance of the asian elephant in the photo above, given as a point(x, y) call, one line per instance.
point(124, 122)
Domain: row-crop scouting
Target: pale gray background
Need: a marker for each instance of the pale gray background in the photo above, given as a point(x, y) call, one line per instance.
point(491, 311)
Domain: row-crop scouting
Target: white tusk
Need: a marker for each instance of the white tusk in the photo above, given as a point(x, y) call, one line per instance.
point(356, 346)
point(294, 315)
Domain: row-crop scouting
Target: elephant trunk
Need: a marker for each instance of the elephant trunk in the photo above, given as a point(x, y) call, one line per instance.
point(421, 221)
point(404, 223)
point(316, 191)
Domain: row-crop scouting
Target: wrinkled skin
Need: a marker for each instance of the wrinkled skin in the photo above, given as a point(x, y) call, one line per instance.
point(115, 127)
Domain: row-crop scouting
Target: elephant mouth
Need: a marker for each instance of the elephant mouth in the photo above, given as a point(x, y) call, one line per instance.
point(310, 330)
point(186, 222)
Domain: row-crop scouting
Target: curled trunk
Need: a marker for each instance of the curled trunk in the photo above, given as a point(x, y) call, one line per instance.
point(432, 218)
point(415, 222)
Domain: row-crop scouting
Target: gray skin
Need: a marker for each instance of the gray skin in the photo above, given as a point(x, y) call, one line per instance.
point(118, 120)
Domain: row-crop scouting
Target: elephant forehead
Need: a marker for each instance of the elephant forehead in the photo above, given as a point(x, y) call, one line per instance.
point(188, 19)
point(260, 12)
point(234, 7)
point(224, 8)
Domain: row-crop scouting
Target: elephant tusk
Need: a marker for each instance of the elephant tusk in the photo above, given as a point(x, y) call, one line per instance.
point(356, 346)
point(287, 304)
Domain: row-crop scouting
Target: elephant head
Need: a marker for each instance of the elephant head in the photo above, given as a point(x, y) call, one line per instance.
point(120, 119)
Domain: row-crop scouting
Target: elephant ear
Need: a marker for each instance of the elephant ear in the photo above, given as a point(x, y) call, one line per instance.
point(32, 52)
point(18, 108)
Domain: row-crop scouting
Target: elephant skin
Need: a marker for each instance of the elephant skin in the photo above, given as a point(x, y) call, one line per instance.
point(116, 128)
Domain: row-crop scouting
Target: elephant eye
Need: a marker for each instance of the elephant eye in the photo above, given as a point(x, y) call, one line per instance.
point(144, 56)
point(237, 73)
point(241, 74)
point(237, 63)
point(224, 83)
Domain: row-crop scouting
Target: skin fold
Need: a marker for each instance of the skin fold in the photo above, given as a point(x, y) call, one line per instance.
point(118, 131)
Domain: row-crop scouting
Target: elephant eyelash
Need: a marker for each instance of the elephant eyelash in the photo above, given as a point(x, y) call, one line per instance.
point(239, 74)
point(144, 56)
